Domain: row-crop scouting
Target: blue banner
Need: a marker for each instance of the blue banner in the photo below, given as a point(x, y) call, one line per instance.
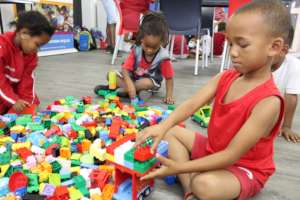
point(59, 41)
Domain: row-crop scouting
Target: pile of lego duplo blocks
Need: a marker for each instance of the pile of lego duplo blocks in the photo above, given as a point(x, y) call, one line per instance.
point(62, 152)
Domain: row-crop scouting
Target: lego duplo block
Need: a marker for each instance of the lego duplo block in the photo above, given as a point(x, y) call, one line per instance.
point(33, 126)
point(142, 167)
point(108, 168)
point(87, 159)
point(108, 192)
point(74, 193)
point(46, 166)
point(44, 176)
point(110, 149)
point(65, 152)
point(24, 120)
point(114, 130)
point(143, 154)
point(75, 156)
point(121, 150)
point(54, 179)
point(46, 189)
point(99, 178)
point(85, 145)
point(55, 166)
point(33, 185)
point(65, 174)
point(79, 181)
point(62, 193)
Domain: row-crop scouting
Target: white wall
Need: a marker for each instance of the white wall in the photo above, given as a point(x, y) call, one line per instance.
point(8, 16)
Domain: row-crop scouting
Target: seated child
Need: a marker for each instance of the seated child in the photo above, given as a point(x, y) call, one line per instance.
point(287, 80)
point(148, 62)
point(18, 60)
point(235, 160)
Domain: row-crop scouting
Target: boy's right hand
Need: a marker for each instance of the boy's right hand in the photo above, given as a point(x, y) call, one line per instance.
point(131, 91)
point(20, 105)
point(155, 132)
point(290, 135)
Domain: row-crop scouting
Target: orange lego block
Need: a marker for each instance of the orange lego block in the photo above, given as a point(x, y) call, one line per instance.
point(65, 152)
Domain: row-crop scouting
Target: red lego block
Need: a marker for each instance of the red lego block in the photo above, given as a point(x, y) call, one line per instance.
point(24, 153)
point(99, 178)
point(72, 134)
point(51, 148)
point(79, 148)
point(142, 154)
point(52, 198)
point(61, 193)
point(52, 131)
point(114, 130)
point(87, 99)
point(111, 148)
point(89, 124)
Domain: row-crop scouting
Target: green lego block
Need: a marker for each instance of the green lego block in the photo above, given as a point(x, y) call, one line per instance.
point(76, 127)
point(64, 142)
point(2, 131)
point(33, 185)
point(58, 116)
point(75, 156)
point(87, 159)
point(171, 107)
point(112, 106)
point(24, 120)
point(35, 126)
point(75, 163)
point(5, 157)
point(69, 99)
point(65, 175)
point(129, 155)
point(56, 167)
point(47, 123)
point(84, 191)
point(141, 167)
point(79, 181)
point(103, 92)
point(152, 161)
point(54, 179)
point(140, 108)
point(11, 124)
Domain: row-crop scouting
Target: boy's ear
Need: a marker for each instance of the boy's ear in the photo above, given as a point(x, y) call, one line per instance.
point(277, 46)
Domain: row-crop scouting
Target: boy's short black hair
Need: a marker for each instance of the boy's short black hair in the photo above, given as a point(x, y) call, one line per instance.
point(35, 22)
point(276, 15)
point(291, 36)
point(153, 23)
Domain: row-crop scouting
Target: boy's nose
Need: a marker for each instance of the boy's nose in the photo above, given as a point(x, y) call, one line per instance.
point(233, 52)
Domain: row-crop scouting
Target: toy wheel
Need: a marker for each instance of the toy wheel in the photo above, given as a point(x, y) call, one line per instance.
point(147, 192)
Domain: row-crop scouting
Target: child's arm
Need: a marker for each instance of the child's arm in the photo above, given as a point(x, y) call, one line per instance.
point(258, 125)
point(290, 108)
point(181, 113)
point(169, 91)
point(129, 84)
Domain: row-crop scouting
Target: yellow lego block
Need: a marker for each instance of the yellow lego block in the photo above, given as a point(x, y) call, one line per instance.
point(43, 176)
point(107, 168)
point(109, 157)
point(74, 193)
point(41, 188)
point(19, 145)
point(17, 129)
point(62, 101)
point(46, 167)
point(3, 169)
point(108, 191)
point(75, 169)
point(96, 197)
point(5, 139)
point(75, 156)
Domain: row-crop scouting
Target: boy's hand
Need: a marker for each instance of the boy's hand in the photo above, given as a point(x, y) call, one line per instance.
point(131, 91)
point(169, 167)
point(20, 105)
point(155, 132)
point(169, 100)
point(290, 135)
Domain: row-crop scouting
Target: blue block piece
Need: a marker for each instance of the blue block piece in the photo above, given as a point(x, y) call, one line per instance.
point(89, 166)
point(122, 130)
point(22, 138)
point(104, 135)
point(37, 138)
point(159, 119)
point(128, 164)
point(37, 119)
point(71, 120)
point(141, 103)
point(108, 121)
point(12, 117)
point(162, 148)
point(74, 147)
point(67, 183)
point(124, 191)
point(21, 191)
point(14, 136)
point(4, 186)
point(170, 180)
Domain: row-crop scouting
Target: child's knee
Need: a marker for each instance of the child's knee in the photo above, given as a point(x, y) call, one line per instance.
point(204, 186)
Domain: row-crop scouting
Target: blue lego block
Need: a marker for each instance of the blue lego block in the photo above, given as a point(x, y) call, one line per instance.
point(89, 166)
point(67, 183)
point(11, 116)
point(170, 180)
point(74, 147)
point(104, 135)
point(37, 119)
point(162, 148)
point(128, 164)
point(4, 186)
point(14, 136)
point(124, 191)
point(21, 191)
point(22, 138)
point(108, 121)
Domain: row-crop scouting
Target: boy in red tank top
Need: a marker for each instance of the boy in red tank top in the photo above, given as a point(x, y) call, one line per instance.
point(236, 159)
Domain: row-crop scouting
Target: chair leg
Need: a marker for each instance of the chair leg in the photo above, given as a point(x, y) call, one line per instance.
point(182, 47)
point(224, 56)
point(172, 47)
point(212, 49)
point(117, 46)
point(197, 57)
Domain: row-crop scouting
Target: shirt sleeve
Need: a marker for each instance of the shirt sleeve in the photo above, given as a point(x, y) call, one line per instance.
point(7, 94)
point(167, 69)
point(129, 61)
point(293, 80)
point(25, 88)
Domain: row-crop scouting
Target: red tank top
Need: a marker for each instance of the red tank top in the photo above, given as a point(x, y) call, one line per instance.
point(227, 119)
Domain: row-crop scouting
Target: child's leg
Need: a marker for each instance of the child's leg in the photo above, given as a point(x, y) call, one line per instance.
point(220, 184)
point(181, 142)
point(144, 84)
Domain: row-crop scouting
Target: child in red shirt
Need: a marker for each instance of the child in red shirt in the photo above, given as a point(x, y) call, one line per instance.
point(148, 62)
point(236, 159)
point(18, 59)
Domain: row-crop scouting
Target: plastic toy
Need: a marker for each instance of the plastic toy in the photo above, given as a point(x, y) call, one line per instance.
point(112, 80)
point(202, 116)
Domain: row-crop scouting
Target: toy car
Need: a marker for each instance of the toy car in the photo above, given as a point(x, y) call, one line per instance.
point(202, 116)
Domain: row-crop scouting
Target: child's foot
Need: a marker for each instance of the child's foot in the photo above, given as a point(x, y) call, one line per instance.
point(100, 87)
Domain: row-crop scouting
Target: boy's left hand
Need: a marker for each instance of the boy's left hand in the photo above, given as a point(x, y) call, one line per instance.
point(168, 100)
point(290, 135)
point(169, 167)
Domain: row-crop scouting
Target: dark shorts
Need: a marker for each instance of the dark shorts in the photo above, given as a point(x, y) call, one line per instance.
point(249, 184)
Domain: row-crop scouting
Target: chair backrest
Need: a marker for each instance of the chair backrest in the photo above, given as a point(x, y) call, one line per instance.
point(183, 17)
point(207, 19)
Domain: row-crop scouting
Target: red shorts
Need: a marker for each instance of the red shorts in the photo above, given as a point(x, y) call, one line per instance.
point(249, 184)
